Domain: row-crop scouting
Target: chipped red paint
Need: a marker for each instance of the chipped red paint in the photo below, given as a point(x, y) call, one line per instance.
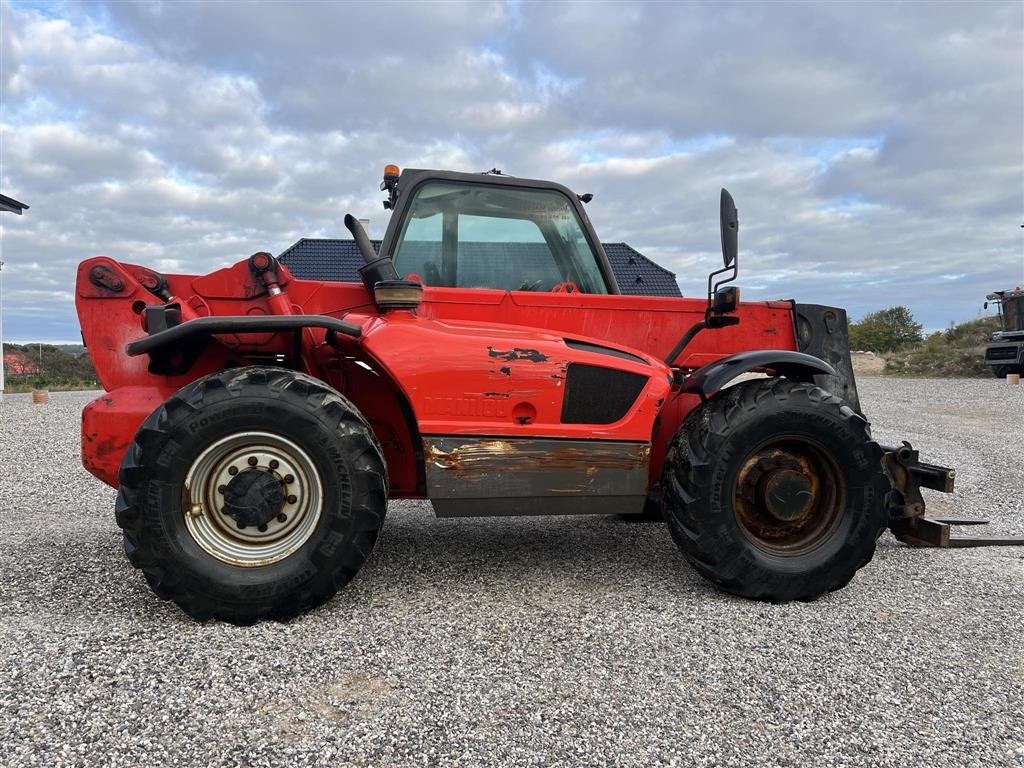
point(533, 355)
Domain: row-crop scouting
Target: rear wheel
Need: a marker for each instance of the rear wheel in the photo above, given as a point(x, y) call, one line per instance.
point(774, 490)
point(252, 493)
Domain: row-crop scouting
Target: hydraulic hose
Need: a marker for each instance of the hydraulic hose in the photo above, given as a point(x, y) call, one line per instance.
point(687, 338)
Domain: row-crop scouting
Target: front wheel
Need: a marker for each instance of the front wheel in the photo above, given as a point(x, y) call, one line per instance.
point(774, 490)
point(252, 493)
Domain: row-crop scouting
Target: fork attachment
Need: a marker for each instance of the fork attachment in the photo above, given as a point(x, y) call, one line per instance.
point(907, 519)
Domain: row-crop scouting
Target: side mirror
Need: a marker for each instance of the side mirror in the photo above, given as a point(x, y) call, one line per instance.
point(730, 226)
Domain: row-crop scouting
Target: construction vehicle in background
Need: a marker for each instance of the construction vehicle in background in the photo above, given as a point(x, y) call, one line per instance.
point(256, 425)
point(1005, 353)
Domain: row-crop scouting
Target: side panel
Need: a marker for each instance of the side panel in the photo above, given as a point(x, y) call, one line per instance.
point(650, 324)
point(476, 379)
point(534, 476)
point(502, 416)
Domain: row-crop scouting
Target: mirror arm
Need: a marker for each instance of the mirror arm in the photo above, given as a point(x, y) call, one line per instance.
point(712, 318)
point(714, 285)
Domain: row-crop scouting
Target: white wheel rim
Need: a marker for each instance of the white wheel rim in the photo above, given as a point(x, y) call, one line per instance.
point(218, 533)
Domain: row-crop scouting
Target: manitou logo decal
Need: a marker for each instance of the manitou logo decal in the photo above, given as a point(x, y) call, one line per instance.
point(486, 407)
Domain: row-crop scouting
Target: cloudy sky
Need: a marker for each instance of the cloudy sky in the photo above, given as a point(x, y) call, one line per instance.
point(876, 152)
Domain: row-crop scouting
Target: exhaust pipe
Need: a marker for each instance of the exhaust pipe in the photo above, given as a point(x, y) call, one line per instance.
point(376, 268)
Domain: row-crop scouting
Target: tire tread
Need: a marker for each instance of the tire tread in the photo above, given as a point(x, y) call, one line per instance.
point(368, 503)
point(688, 476)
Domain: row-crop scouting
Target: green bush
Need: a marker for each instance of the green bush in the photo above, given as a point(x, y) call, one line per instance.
point(886, 330)
point(956, 352)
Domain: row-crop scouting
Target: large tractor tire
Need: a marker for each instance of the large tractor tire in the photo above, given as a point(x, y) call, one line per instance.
point(774, 490)
point(254, 493)
point(1000, 372)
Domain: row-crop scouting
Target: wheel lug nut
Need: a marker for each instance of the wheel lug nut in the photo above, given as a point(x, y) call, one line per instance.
point(282, 518)
point(232, 470)
point(292, 499)
point(274, 464)
point(253, 461)
point(289, 479)
point(241, 526)
point(222, 489)
point(262, 528)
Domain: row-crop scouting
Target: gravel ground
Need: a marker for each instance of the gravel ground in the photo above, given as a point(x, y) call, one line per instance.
point(561, 641)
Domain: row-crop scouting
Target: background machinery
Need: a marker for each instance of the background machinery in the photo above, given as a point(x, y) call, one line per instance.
point(1005, 353)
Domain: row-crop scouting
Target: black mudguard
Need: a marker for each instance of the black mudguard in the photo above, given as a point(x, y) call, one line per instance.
point(823, 332)
point(712, 377)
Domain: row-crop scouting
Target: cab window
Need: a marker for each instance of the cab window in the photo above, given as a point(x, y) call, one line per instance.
point(476, 236)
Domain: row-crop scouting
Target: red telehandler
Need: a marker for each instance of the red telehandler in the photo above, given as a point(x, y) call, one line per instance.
point(255, 425)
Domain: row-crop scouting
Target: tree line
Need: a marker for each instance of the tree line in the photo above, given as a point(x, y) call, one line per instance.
point(44, 366)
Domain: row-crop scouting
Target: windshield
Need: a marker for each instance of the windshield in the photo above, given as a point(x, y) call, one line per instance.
point(479, 236)
point(1013, 314)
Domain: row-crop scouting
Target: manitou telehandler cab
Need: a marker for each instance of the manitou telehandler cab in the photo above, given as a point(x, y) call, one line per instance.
point(255, 425)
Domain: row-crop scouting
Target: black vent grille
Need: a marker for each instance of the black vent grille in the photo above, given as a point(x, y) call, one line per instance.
point(596, 395)
point(1001, 353)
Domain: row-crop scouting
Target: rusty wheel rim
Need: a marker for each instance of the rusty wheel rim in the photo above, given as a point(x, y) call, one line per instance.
point(788, 495)
point(282, 467)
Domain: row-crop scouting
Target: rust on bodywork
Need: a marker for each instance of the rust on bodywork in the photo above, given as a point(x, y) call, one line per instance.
point(471, 476)
point(518, 455)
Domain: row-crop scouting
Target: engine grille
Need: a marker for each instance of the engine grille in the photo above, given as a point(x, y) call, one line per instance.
point(1002, 353)
point(598, 395)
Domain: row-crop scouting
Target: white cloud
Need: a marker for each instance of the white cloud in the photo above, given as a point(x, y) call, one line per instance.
point(875, 152)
